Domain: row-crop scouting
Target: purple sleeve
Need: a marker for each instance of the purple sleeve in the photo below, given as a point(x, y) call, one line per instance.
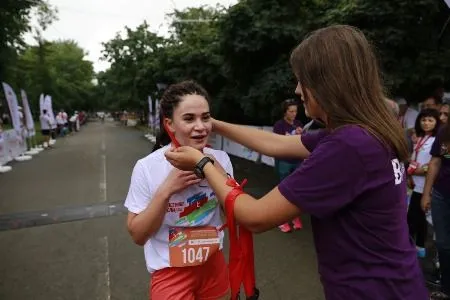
point(436, 147)
point(311, 139)
point(278, 128)
point(331, 178)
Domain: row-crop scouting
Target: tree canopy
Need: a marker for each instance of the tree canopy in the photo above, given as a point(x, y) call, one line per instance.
point(239, 54)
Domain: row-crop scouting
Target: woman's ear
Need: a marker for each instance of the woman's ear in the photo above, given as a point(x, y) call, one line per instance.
point(168, 123)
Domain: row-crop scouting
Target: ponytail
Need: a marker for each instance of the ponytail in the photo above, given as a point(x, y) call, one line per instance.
point(162, 138)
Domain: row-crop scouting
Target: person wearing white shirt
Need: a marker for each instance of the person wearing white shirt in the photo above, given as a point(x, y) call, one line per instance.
point(175, 214)
point(427, 126)
point(407, 118)
point(46, 126)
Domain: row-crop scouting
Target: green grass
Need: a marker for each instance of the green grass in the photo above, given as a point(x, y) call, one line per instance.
point(39, 138)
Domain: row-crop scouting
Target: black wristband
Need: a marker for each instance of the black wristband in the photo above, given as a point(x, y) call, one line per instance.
point(198, 170)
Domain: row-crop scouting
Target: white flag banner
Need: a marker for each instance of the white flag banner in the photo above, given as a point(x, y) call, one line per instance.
point(28, 116)
point(14, 144)
point(11, 98)
point(448, 2)
point(157, 115)
point(4, 154)
point(48, 106)
point(150, 112)
point(41, 103)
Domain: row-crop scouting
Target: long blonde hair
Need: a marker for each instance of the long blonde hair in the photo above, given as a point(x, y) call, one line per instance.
point(338, 66)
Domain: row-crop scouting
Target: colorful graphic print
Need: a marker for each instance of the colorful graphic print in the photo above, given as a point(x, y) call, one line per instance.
point(199, 207)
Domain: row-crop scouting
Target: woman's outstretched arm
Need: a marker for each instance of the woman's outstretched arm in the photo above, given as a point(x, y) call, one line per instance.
point(264, 142)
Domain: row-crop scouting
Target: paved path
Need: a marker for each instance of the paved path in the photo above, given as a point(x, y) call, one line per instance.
point(62, 226)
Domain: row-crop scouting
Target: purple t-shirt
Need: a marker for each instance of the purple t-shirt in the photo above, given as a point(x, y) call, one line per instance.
point(284, 128)
point(355, 190)
point(442, 181)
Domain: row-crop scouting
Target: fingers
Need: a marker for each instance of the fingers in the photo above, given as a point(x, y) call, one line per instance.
point(189, 177)
point(191, 182)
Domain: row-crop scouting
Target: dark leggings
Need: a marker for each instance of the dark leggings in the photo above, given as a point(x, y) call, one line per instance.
point(417, 222)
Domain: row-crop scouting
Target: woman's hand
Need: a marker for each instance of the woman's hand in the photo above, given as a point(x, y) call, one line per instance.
point(177, 181)
point(425, 203)
point(184, 158)
point(410, 182)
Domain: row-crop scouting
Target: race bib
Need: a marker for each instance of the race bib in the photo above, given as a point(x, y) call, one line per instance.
point(192, 246)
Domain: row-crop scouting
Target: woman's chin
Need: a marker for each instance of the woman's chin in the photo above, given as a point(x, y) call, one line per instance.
point(198, 144)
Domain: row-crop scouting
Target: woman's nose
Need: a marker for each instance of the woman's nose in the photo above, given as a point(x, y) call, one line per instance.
point(199, 125)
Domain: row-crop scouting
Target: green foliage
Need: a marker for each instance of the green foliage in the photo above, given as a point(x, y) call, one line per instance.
point(240, 54)
point(66, 75)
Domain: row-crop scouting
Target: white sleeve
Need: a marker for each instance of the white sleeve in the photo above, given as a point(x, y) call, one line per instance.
point(139, 193)
point(226, 164)
point(411, 119)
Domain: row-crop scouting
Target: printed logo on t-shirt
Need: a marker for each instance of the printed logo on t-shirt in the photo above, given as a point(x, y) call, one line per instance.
point(194, 209)
point(399, 170)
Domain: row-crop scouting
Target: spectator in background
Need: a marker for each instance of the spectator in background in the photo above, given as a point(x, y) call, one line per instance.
point(288, 125)
point(432, 102)
point(46, 126)
point(73, 122)
point(60, 123)
point(427, 125)
point(407, 115)
point(436, 195)
point(407, 118)
point(393, 106)
point(5, 118)
point(443, 113)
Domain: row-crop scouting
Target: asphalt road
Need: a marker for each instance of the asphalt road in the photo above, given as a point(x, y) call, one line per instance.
point(62, 225)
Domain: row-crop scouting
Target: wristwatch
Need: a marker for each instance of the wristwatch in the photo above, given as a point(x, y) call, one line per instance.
point(198, 170)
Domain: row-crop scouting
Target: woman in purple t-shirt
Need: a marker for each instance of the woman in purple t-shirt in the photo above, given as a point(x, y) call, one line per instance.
point(436, 195)
point(288, 125)
point(353, 182)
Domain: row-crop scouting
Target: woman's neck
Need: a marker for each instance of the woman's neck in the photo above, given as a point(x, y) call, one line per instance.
point(289, 121)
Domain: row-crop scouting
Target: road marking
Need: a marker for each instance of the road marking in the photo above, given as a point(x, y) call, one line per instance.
point(104, 278)
point(103, 180)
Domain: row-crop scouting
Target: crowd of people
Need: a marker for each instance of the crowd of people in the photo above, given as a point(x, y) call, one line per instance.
point(61, 125)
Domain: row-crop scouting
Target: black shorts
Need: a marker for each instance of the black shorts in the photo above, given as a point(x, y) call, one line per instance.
point(45, 132)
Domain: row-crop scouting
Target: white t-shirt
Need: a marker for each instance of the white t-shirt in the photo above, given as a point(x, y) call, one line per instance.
point(59, 119)
point(64, 117)
point(45, 122)
point(148, 174)
point(423, 158)
point(409, 119)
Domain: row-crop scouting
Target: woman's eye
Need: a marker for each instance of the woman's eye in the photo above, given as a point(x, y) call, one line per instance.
point(206, 118)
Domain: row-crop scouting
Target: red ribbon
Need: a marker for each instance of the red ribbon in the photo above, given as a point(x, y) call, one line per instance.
point(241, 261)
point(172, 136)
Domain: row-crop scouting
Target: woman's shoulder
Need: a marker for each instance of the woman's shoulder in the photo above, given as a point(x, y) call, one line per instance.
point(357, 138)
point(154, 158)
point(280, 122)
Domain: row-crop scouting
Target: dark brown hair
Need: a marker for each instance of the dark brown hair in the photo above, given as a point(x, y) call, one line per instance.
point(173, 95)
point(170, 99)
point(338, 66)
point(288, 103)
point(428, 112)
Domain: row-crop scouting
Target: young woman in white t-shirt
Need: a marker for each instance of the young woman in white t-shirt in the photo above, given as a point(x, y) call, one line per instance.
point(175, 215)
point(426, 128)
